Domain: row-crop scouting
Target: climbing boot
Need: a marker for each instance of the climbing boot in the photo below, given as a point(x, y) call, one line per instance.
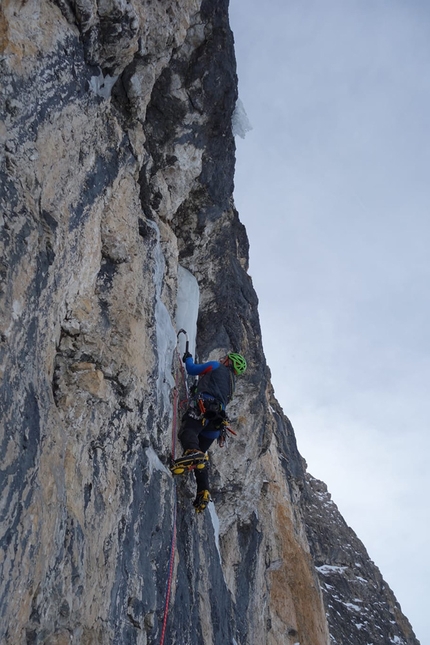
point(202, 500)
point(192, 459)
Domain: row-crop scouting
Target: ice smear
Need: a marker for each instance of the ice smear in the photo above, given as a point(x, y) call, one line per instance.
point(215, 523)
point(102, 85)
point(166, 335)
point(187, 309)
point(154, 463)
point(350, 605)
point(17, 309)
point(240, 123)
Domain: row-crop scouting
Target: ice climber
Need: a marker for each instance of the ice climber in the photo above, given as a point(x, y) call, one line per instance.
point(205, 419)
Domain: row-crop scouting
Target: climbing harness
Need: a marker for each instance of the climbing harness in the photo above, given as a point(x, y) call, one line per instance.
point(212, 412)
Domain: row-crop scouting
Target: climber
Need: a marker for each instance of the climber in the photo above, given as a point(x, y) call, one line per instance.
point(205, 418)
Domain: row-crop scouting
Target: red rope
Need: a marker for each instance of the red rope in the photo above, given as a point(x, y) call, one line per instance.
point(170, 576)
point(173, 543)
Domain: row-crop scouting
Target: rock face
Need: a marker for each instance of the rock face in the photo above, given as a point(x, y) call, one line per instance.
point(361, 608)
point(117, 164)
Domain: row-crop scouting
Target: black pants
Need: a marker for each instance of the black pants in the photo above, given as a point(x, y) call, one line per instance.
point(191, 439)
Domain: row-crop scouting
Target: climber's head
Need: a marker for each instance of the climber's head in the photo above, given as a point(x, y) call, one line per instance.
point(237, 362)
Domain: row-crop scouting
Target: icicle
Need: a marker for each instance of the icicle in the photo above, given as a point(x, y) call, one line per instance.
point(240, 122)
point(166, 335)
point(187, 308)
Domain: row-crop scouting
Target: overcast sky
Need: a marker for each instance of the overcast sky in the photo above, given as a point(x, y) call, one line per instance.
point(333, 186)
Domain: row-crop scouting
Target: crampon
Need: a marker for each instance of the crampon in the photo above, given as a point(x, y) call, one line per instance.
point(202, 500)
point(190, 461)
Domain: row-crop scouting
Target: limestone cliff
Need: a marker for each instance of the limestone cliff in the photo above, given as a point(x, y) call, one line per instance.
point(117, 165)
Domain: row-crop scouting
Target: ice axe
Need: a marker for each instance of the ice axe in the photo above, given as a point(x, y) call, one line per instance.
point(187, 342)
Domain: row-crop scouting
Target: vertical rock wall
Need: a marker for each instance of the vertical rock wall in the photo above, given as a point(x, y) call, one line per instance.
point(116, 168)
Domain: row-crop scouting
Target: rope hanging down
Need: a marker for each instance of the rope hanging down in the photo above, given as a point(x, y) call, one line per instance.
point(179, 373)
point(170, 575)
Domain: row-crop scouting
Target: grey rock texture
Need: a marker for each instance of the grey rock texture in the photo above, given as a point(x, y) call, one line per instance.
point(116, 168)
point(355, 594)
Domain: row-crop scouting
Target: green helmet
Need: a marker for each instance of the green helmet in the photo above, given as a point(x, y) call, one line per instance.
point(239, 363)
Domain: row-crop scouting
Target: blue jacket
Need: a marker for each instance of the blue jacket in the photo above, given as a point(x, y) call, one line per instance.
point(216, 379)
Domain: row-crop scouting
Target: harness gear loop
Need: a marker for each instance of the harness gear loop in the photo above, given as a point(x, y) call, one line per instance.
point(211, 411)
point(213, 416)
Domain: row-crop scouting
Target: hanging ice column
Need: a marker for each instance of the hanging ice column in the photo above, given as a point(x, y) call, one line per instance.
point(187, 309)
point(166, 335)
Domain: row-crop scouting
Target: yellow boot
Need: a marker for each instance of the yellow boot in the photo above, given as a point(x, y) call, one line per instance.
point(202, 500)
point(191, 459)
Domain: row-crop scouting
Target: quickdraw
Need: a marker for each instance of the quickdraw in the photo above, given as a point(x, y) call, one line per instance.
point(201, 406)
point(223, 436)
